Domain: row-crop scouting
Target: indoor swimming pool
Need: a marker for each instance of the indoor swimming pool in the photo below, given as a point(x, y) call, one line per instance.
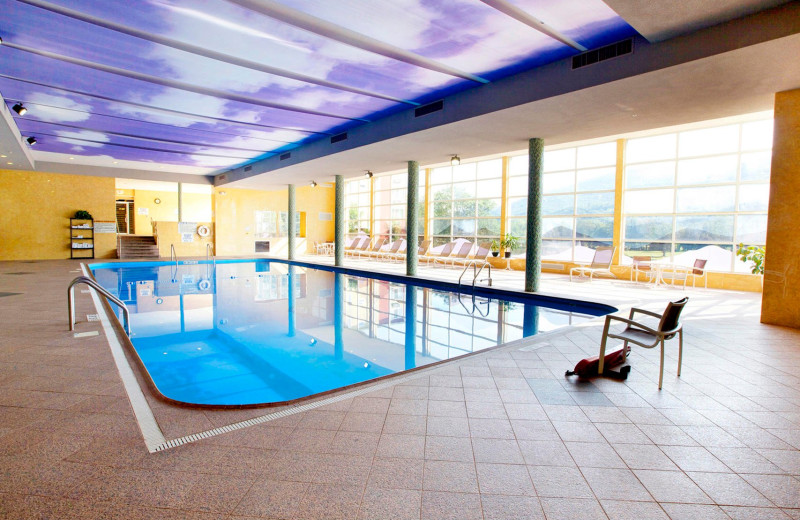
point(239, 333)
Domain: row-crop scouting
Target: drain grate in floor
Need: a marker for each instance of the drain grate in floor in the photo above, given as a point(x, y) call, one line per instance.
point(2, 294)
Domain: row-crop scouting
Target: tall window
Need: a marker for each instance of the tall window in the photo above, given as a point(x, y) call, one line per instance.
point(356, 201)
point(391, 201)
point(698, 193)
point(577, 202)
point(271, 224)
point(465, 202)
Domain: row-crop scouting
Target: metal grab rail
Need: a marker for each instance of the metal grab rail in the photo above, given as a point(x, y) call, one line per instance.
point(172, 254)
point(476, 272)
point(209, 253)
point(94, 285)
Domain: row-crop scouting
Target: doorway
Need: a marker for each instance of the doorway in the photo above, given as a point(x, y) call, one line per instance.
point(125, 220)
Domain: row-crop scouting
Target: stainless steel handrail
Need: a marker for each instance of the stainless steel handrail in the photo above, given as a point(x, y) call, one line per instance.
point(476, 272)
point(209, 253)
point(172, 254)
point(94, 285)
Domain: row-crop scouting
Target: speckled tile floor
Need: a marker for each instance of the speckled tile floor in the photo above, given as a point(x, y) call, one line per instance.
point(500, 435)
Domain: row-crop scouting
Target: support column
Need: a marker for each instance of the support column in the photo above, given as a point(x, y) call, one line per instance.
point(292, 325)
point(412, 210)
point(411, 328)
point(781, 265)
point(180, 202)
point(533, 244)
point(339, 223)
point(338, 315)
point(291, 216)
point(617, 239)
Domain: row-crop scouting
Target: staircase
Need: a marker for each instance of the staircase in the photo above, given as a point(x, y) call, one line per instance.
point(136, 246)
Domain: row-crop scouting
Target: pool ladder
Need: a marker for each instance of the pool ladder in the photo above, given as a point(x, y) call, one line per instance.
point(476, 272)
point(96, 286)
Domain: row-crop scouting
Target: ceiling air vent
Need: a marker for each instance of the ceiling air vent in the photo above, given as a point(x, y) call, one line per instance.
point(429, 108)
point(339, 137)
point(285, 156)
point(603, 53)
point(248, 168)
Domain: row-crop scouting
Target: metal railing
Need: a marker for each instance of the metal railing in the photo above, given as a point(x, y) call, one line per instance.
point(94, 285)
point(210, 253)
point(173, 255)
point(477, 272)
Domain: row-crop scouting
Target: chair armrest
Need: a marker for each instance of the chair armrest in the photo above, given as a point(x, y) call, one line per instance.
point(632, 323)
point(649, 313)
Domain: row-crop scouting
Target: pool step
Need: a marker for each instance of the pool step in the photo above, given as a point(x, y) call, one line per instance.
point(135, 246)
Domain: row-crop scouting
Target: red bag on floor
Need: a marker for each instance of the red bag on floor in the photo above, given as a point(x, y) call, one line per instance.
point(588, 367)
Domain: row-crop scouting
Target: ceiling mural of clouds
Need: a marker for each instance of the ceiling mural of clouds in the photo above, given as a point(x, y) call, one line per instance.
point(219, 83)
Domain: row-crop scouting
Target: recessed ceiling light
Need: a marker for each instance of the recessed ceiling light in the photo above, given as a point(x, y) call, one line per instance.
point(116, 162)
point(71, 158)
point(9, 162)
point(3, 155)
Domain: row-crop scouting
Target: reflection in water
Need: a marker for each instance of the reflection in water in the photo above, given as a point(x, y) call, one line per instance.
point(254, 332)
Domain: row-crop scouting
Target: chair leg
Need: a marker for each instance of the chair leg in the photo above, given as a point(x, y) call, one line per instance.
point(661, 367)
point(624, 351)
point(680, 351)
point(602, 359)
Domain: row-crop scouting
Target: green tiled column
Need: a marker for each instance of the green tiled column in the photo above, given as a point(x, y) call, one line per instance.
point(533, 245)
point(292, 230)
point(412, 210)
point(339, 222)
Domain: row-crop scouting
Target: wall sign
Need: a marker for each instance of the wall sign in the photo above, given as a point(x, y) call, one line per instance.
point(105, 227)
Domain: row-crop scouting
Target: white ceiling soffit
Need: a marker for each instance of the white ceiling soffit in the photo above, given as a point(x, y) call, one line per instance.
point(659, 20)
point(723, 71)
point(167, 187)
point(13, 153)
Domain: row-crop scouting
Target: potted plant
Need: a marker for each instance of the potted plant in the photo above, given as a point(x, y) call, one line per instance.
point(509, 243)
point(83, 215)
point(754, 254)
point(495, 247)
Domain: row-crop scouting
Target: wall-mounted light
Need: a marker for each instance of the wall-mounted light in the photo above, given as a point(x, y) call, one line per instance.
point(31, 140)
point(369, 174)
point(20, 109)
point(222, 193)
point(455, 160)
point(313, 184)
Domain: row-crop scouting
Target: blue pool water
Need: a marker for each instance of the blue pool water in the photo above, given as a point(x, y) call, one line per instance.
point(265, 331)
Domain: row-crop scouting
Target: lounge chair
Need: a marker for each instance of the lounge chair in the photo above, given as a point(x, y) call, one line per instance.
point(480, 256)
point(394, 247)
point(358, 247)
point(462, 253)
point(444, 253)
point(644, 336)
point(641, 264)
point(374, 250)
point(601, 264)
point(399, 253)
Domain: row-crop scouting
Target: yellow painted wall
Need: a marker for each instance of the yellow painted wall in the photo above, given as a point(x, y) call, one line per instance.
point(167, 234)
point(197, 207)
point(35, 209)
point(782, 261)
point(236, 226)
